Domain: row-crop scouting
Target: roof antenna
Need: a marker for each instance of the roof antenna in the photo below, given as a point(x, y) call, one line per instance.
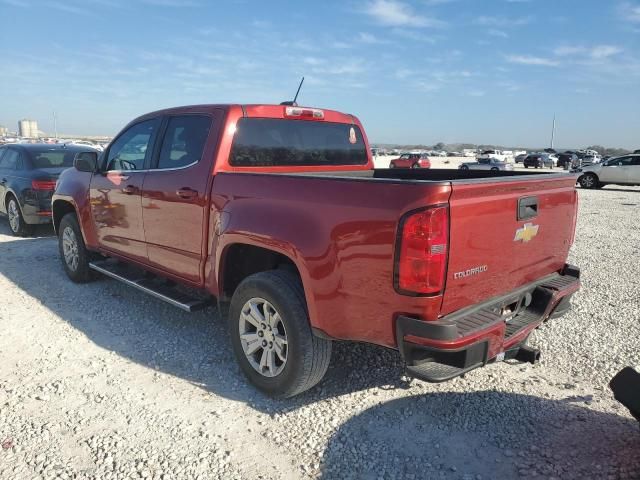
point(293, 103)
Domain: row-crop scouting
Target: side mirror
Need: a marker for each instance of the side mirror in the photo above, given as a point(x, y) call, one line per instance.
point(86, 161)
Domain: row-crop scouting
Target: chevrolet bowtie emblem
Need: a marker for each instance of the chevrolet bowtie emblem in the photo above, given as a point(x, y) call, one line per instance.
point(526, 232)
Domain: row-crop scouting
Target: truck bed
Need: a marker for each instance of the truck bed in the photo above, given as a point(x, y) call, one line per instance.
point(341, 230)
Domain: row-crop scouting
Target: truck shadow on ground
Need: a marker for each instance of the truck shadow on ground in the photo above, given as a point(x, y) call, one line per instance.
point(192, 346)
point(485, 435)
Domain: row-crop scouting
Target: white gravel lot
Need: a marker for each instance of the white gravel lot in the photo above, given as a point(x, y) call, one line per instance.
point(101, 382)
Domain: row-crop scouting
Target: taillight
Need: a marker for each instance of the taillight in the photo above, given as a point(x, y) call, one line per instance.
point(422, 254)
point(43, 184)
point(306, 113)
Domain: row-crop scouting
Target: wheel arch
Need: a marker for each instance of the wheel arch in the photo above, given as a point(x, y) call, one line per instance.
point(239, 260)
point(59, 209)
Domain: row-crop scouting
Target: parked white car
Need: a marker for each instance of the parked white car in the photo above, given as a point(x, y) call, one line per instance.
point(494, 164)
point(623, 170)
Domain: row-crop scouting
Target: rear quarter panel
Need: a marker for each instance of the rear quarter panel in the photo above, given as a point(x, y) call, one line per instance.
point(73, 187)
point(339, 233)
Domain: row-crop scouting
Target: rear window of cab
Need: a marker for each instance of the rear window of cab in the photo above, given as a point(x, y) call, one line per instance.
point(265, 142)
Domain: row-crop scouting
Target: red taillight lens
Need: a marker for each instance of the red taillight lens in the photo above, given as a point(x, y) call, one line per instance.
point(43, 184)
point(422, 255)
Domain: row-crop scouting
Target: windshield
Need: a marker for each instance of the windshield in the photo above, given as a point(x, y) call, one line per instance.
point(262, 142)
point(51, 158)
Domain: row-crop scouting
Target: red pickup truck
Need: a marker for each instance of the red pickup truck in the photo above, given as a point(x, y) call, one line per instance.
point(277, 212)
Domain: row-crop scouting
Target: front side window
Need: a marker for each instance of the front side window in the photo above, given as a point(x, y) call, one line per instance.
point(620, 161)
point(133, 147)
point(184, 140)
point(261, 142)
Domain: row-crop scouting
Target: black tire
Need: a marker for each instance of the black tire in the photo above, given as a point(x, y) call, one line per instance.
point(18, 226)
point(81, 273)
point(307, 357)
point(415, 165)
point(526, 166)
point(464, 167)
point(589, 180)
point(495, 169)
point(392, 165)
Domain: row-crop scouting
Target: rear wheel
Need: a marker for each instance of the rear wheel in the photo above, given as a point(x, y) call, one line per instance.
point(464, 167)
point(415, 165)
point(18, 226)
point(495, 169)
point(392, 165)
point(271, 335)
point(73, 252)
point(589, 180)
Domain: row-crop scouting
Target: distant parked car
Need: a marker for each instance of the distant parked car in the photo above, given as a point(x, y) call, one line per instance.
point(567, 160)
point(493, 164)
point(454, 154)
point(411, 160)
point(538, 160)
point(624, 170)
point(636, 151)
point(28, 174)
point(520, 158)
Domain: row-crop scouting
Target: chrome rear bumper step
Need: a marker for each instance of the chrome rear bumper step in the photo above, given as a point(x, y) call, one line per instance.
point(150, 285)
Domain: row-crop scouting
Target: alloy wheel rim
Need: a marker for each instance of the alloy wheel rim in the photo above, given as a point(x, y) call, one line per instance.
point(263, 337)
point(70, 248)
point(587, 181)
point(14, 216)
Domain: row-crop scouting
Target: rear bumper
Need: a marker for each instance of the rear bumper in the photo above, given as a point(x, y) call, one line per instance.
point(441, 350)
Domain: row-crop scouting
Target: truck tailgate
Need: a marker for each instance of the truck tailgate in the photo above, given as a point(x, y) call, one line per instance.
point(506, 234)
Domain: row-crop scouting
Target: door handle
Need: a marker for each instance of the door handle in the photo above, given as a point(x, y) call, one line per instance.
point(129, 190)
point(187, 193)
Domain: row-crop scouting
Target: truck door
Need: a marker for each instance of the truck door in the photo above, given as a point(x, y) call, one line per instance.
point(175, 194)
point(115, 192)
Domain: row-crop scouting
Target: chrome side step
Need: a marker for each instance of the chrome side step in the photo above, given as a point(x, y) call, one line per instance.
point(146, 284)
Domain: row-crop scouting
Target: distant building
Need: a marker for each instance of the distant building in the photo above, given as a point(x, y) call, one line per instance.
point(4, 131)
point(28, 128)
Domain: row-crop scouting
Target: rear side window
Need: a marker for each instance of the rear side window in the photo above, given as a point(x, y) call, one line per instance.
point(265, 142)
point(9, 160)
point(184, 140)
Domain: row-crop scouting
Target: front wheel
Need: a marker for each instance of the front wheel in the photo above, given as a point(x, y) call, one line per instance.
point(392, 165)
point(73, 252)
point(18, 226)
point(526, 166)
point(588, 180)
point(415, 165)
point(271, 336)
point(464, 167)
point(495, 169)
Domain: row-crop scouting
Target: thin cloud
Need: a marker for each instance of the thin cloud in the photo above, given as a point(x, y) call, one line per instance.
point(629, 12)
point(497, 33)
point(501, 22)
point(371, 39)
point(532, 60)
point(597, 52)
point(397, 14)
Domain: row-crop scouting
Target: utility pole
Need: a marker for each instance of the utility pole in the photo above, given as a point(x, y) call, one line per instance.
point(553, 129)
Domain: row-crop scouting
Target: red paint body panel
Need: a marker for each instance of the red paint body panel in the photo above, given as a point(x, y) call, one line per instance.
point(341, 235)
point(483, 226)
point(340, 232)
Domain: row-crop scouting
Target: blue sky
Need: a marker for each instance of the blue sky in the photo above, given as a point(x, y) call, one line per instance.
point(481, 71)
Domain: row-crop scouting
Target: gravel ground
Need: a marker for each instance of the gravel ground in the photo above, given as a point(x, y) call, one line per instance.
point(101, 382)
